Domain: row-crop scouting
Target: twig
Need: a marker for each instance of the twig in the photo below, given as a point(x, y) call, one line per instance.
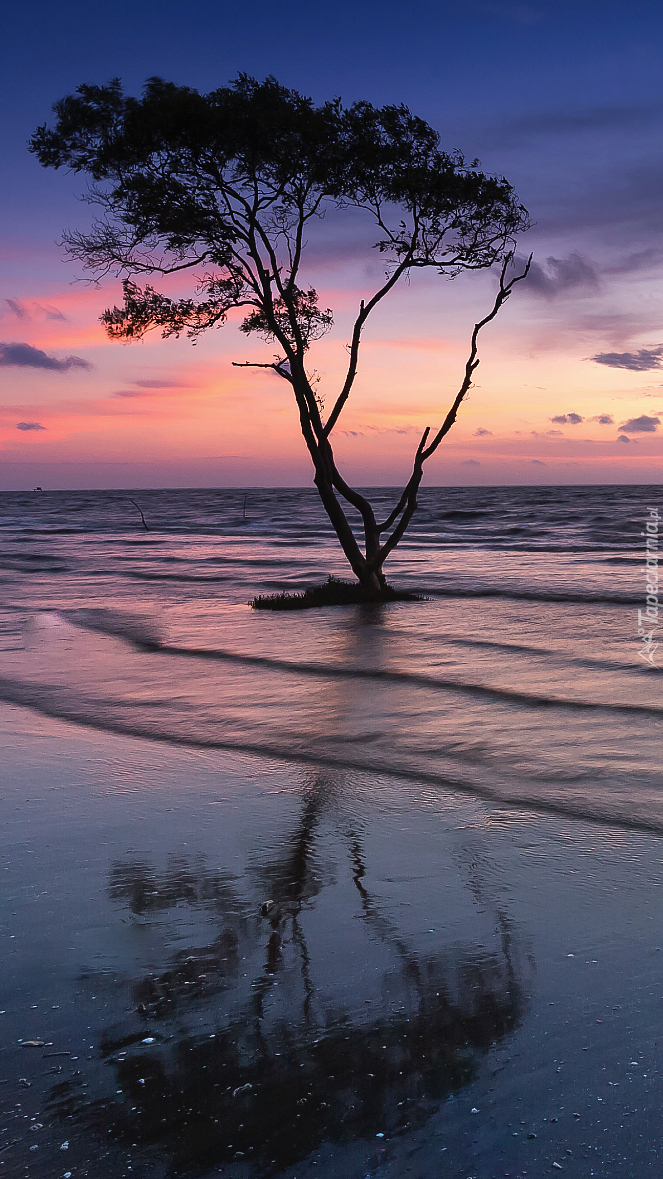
point(274, 365)
point(141, 514)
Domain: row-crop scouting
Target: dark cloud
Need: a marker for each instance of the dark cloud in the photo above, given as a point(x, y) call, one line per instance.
point(51, 312)
point(470, 463)
point(537, 463)
point(160, 385)
point(564, 123)
point(575, 189)
point(604, 419)
point(632, 263)
point(624, 206)
point(481, 433)
point(616, 326)
point(25, 356)
point(30, 426)
point(641, 425)
point(567, 419)
point(144, 388)
point(642, 361)
point(623, 438)
point(17, 308)
point(574, 273)
point(374, 431)
point(25, 310)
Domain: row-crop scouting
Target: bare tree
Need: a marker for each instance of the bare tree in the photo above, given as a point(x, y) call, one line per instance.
point(227, 184)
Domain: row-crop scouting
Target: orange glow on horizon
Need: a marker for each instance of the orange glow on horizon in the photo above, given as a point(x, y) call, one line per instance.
point(160, 399)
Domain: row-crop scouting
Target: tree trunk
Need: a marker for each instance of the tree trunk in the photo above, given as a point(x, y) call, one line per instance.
point(373, 582)
point(341, 525)
point(366, 569)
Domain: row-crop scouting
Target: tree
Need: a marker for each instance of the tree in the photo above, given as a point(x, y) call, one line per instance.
point(227, 183)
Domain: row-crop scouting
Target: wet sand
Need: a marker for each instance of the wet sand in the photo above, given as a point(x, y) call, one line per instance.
point(219, 963)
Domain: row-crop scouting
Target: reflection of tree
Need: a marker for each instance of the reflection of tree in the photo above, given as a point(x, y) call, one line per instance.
point(280, 1080)
point(296, 1092)
point(195, 972)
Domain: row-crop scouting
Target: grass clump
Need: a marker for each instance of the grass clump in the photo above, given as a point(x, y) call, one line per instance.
point(333, 592)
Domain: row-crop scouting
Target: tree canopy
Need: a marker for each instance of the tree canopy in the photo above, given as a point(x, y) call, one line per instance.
point(227, 183)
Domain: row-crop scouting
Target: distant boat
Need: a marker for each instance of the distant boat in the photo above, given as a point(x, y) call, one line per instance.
point(37, 489)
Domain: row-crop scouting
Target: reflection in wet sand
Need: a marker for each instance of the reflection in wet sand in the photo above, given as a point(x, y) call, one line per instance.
point(289, 1065)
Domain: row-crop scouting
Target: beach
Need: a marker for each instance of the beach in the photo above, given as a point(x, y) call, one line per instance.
point(367, 891)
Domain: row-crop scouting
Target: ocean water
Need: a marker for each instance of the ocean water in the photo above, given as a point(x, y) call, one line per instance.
point(364, 891)
point(519, 678)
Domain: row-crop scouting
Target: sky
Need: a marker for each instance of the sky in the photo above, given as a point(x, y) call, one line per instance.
point(563, 97)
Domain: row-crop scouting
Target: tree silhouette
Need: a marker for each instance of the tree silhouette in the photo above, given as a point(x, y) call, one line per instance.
point(227, 184)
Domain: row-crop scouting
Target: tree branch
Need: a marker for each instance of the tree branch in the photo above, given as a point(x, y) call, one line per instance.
point(408, 501)
point(391, 519)
point(503, 293)
point(364, 312)
point(275, 365)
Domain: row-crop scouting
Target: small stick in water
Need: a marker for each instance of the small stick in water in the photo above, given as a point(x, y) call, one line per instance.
point(141, 514)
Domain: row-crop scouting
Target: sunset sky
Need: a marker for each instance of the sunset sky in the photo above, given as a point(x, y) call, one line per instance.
point(564, 98)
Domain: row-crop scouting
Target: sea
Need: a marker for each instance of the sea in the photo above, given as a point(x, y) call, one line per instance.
point(521, 676)
point(358, 891)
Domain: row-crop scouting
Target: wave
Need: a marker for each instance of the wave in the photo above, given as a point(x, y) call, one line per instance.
point(334, 671)
point(570, 597)
point(142, 575)
point(52, 701)
point(501, 542)
point(139, 629)
point(278, 533)
point(33, 564)
point(550, 653)
point(630, 561)
point(144, 634)
point(32, 531)
point(150, 542)
point(301, 578)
